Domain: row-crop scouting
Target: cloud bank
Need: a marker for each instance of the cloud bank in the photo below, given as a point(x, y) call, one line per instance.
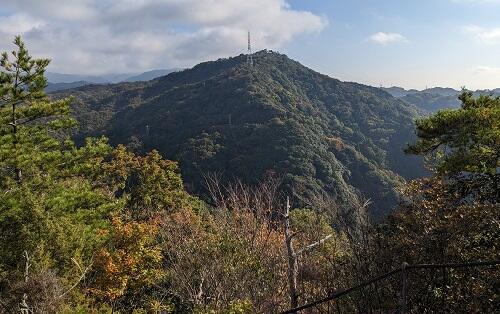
point(104, 36)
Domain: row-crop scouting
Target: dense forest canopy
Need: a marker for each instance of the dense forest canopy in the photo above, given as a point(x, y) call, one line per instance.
point(88, 227)
point(326, 138)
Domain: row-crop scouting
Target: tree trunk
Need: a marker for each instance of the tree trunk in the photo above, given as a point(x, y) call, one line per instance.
point(293, 268)
point(17, 170)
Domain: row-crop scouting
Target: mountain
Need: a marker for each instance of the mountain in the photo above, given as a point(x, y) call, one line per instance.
point(441, 91)
point(324, 137)
point(150, 75)
point(59, 81)
point(54, 77)
point(52, 87)
point(430, 102)
point(398, 91)
point(433, 99)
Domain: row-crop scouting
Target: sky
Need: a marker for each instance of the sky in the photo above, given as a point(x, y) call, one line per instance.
point(408, 43)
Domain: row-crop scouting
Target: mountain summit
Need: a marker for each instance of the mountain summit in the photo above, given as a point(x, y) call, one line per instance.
point(323, 136)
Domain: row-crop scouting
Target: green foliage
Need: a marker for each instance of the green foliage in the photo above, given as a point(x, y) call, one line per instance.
point(278, 116)
point(310, 226)
point(101, 229)
point(436, 226)
point(56, 219)
point(74, 216)
point(466, 139)
point(453, 215)
point(22, 79)
point(48, 210)
point(235, 307)
point(430, 102)
point(24, 143)
point(151, 184)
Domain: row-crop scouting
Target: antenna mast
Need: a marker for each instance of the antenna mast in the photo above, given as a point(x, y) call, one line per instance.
point(249, 53)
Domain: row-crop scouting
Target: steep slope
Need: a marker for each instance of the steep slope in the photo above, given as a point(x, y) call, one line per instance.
point(324, 136)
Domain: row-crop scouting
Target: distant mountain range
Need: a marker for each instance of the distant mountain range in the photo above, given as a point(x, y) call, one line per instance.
point(60, 81)
point(94, 79)
point(324, 137)
point(52, 87)
point(149, 75)
point(433, 99)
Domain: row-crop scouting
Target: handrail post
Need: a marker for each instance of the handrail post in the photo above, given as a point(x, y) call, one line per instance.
point(403, 287)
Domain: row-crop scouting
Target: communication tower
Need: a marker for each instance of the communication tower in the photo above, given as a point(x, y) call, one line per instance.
point(249, 53)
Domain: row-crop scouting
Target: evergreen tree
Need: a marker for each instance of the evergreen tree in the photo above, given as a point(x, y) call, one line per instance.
point(69, 213)
point(452, 216)
point(24, 140)
point(465, 139)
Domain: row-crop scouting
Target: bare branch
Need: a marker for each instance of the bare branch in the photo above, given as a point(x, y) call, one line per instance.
point(82, 276)
point(313, 245)
point(23, 305)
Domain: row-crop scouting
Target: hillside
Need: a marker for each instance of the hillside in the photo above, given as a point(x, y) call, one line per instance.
point(324, 136)
point(433, 99)
point(430, 102)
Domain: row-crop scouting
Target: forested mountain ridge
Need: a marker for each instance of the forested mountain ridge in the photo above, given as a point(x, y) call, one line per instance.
point(433, 99)
point(324, 136)
point(93, 228)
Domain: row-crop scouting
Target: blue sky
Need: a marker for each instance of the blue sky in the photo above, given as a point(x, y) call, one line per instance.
point(443, 42)
point(409, 43)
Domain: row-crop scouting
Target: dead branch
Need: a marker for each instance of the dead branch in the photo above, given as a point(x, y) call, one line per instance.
point(313, 245)
point(82, 276)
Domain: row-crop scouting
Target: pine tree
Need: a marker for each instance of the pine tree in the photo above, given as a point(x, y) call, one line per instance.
point(70, 211)
point(24, 141)
point(465, 139)
point(453, 215)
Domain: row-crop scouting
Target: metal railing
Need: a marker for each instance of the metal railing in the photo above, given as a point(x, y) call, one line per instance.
point(403, 269)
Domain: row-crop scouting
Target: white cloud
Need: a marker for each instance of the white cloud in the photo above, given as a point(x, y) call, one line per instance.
point(387, 38)
point(102, 36)
point(489, 36)
point(18, 23)
point(486, 70)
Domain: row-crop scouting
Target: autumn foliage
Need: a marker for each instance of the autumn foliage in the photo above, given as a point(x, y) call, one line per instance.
point(130, 261)
point(93, 228)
